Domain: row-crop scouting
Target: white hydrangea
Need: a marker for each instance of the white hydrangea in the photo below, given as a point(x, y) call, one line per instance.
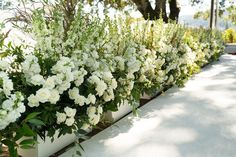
point(7, 84)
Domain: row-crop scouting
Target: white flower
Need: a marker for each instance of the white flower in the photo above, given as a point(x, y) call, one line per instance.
point(73, 93)
point(50, 83)
point(70, 121)
point(107, 76)
point(92, 98)
point(70, 112)
point(61, 117)
point(43, 95)
point(7, 86)
point(113, 83)
point(63, 87)
point(54, 96)
point(33, 101)
point(4, 65)
point(94, 119)
point(91, 110)
point(101, 87)
point(21, 107)
point(99, 109)
point(8, 104)
point(37, 80)
point(85, 127)
point(80, 100)
point(79, 81)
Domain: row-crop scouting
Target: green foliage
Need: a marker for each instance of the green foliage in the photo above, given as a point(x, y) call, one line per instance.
point(229, 35)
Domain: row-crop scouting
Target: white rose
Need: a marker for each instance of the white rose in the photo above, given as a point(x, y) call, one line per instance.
point(94, 119)
point(70, 112)
point(33, 101)
point(70, 121)
point(79, 81)
point(107, 76)
point(91, 110)
point(73, 93)
point(80, 100)
point(99, 109)
point(101, 87)
point(54, 96)
point(85, 127)
point(63, 87)
point(49, 83)
point(92, 98)
point(43, 95)
point(61, 117)
point(37, 80)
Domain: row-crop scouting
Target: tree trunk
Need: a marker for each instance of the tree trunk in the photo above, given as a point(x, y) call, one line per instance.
point(174, 10)
point(145, 8)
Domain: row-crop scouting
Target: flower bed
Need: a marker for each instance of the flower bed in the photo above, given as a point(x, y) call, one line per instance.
point(83, 67)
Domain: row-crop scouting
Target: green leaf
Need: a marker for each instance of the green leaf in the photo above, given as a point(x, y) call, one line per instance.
point(26, 147)
point(36, 122)
point(27, 131)
point(32, 115)
point(30, 142)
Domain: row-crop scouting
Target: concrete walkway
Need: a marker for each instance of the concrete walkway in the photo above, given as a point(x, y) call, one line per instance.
point(198, 120)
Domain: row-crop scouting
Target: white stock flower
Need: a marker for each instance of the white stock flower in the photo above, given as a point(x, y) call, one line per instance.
point(70, 112)
point(43, 95)
point(70, 121)
point(4, 65)
point(33, 101)
point(61, 117)
point(8, 104)
point(7, 86)
point(113, 83)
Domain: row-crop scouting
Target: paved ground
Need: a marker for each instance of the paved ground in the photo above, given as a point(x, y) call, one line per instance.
point(198, 120)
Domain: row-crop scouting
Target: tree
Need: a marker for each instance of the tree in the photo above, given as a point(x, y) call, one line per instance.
point(146, 9)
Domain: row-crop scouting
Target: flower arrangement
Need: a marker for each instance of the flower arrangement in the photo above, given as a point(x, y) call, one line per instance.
point(82, 67)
